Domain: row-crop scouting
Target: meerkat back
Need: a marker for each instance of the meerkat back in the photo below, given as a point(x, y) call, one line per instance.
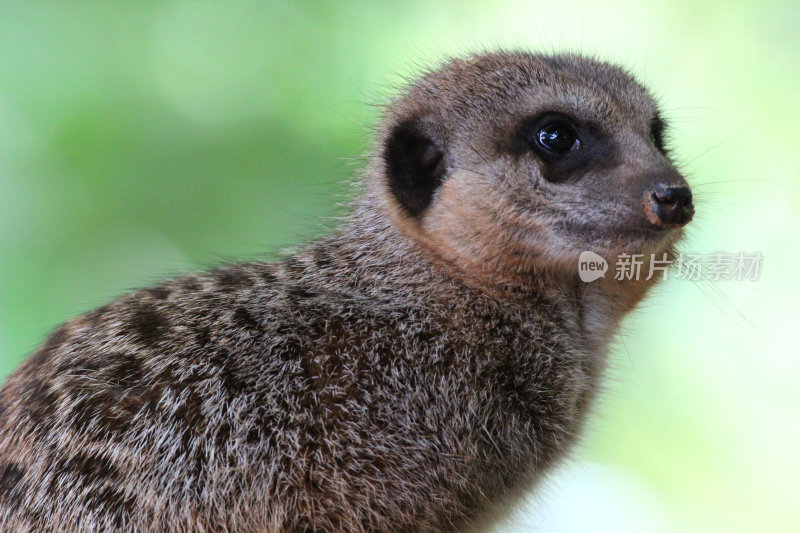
point(414, 371)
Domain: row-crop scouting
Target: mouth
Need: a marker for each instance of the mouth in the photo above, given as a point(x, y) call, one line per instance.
point(645, 233)
point(657, 223)
point(623, 238)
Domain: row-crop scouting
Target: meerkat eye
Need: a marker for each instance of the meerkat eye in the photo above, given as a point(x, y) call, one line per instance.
point(556, 136)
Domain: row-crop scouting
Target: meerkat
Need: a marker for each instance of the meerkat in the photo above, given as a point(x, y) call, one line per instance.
point(428, 361)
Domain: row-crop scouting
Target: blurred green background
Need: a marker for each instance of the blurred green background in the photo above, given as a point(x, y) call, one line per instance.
point(141, 139)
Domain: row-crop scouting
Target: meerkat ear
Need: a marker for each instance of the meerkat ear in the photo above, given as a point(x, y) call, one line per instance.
point(414, 164)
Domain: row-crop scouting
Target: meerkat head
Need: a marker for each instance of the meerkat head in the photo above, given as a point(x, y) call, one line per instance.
point(513, 162)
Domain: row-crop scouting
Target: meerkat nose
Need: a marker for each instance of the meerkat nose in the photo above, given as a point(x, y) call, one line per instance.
point(669, 206)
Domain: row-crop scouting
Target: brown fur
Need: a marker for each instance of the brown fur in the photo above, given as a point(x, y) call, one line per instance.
point(411, 372)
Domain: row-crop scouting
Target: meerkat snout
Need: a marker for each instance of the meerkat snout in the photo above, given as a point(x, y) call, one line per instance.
point(669, 206)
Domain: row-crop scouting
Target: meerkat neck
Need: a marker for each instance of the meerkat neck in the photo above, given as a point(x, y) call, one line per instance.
point(380, 249)
point(390, 264)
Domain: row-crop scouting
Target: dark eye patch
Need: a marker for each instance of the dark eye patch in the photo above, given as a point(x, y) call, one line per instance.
point(592, 150)
point(657, 128)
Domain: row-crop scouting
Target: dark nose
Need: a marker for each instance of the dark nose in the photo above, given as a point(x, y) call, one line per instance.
point(669, 206)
